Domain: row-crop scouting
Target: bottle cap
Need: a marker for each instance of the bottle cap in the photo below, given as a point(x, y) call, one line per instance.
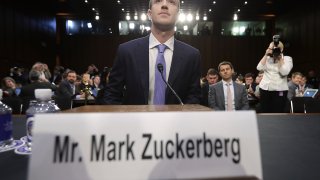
point(43, 94)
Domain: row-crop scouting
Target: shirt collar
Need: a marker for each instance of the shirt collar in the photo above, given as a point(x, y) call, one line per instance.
point(153, 42)
point(225, 82)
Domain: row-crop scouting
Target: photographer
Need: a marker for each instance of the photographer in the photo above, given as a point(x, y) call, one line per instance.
point(274, 85)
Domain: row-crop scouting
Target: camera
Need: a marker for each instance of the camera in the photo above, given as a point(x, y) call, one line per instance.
point(276, 51)
point(276, 39)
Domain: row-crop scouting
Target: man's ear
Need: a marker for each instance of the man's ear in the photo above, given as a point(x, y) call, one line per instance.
point(149, 14)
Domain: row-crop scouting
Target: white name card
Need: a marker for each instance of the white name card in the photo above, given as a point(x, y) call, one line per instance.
point(146, 145)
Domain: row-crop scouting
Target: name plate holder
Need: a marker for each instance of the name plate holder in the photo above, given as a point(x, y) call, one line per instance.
point(146, 145)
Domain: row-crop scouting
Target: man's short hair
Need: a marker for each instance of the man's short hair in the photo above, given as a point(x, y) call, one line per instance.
point(296, 74)
point(212, 72)
point(249, 75)
point(225, 63)
point(151, 2)
point(34, 75)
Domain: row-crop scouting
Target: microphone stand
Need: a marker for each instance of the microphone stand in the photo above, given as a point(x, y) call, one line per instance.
point(160, 69)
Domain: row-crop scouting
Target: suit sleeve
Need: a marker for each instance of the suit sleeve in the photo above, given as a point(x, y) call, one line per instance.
point(115, 88)
point(194, 90)
point(212, 95)
point(244, 99)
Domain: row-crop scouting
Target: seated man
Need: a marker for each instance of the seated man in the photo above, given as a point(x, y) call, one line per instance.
point(226, 94)
point(212, 78)
point(67, 91)
point(27, 91)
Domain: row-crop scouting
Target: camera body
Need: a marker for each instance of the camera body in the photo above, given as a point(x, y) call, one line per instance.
point(276, 51)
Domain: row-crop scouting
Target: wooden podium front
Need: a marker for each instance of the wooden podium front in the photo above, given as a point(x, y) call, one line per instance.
point(137, 108)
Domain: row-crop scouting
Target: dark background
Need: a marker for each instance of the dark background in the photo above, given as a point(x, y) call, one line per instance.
point(35, 30)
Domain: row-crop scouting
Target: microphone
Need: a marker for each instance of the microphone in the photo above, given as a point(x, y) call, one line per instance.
point(160, 69)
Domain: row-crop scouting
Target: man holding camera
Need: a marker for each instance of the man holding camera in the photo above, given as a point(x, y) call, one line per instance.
point(274, 85)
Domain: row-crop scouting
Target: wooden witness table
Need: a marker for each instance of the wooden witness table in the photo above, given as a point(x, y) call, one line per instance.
point(137, 108)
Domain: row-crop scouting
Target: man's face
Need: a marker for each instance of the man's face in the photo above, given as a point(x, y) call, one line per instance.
point(71, 77)
point(212, 79)
point(297, 79)
point(226, 72)
point(249, 80)
point(303, 81)
point(164, 14)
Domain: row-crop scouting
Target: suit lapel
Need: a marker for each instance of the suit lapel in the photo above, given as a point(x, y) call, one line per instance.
point(176, 63)
point(143, 64)
point(236, 94)
point(221, 97)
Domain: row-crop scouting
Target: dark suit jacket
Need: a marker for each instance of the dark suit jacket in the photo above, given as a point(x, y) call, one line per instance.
point(204, 94)
point(27, 92)
point(64, 95)
point(129, 78)
point(216, 96)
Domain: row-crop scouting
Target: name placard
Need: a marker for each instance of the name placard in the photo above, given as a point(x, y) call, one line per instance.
point(145, 145)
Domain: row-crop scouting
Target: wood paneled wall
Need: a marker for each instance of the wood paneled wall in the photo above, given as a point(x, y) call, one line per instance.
point(25, 39)
point(243, 52)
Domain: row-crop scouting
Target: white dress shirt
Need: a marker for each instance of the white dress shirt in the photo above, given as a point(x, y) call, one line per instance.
point(225, 92)
point(153, 53)
point(275, 77)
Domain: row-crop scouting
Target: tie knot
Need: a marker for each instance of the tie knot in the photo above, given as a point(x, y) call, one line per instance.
point(161, 48)
point(228, 84)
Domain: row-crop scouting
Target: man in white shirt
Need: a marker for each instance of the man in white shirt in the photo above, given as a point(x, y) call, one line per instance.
point(133, 76)
point(226, 94)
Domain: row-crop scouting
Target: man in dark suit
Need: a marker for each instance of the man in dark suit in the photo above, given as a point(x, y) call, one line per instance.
point(27, 91)
point(133, 76)
point(212, 77)
point(67, 91)
point(222, 99)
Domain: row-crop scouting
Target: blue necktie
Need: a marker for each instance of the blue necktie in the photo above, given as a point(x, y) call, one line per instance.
point(159, 84)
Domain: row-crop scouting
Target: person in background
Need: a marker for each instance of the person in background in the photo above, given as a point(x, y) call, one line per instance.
point(44, 70)
point(57, 75)
point(257, 81)
point(274, 85)
point(135, 77)
point(312, 78)
point(67, 91)
point(9, 87)
point(92, 70)
point(250, 85)
point(293, 86)
point(27, 91)
point(212, 77)
point(240, 79)
point(303, 84)
point(226, 95)
point(96, 85)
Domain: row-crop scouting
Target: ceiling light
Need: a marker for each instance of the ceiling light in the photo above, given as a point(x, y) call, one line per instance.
point(131, 25)
point(182, 17)
point(189, 17)
point(143, 17)
point(97, 17)
point(205, 17)
point(128, 18)
point(185, 28)
point(214, 2)
point(135, 17)
point(197, 17)
point(235, 17)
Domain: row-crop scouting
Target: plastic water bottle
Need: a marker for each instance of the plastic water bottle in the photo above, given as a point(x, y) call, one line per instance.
point(5, 125)
point(43, 104)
